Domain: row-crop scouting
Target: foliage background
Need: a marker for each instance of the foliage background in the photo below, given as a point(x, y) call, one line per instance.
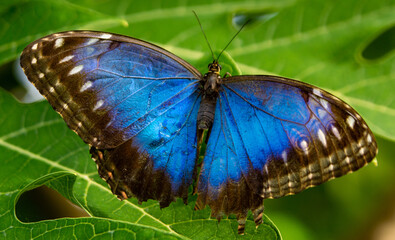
point(346, 47)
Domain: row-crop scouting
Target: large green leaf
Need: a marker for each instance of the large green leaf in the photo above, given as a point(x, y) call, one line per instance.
point(320, 42)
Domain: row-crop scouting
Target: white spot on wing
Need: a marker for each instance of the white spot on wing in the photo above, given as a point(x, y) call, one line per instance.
point(76, 69)
point(351, 122)
point(59, 42)
point(284, 156)
point(348, 160)
point(321, 136)
point(41, 75)
point(92, 41)
point(331, 167)
point(98, 104)
point(317, 92)
point(310, 176)
point(336, 132)
point(369, 138)
point(51, 89)
point(67, 58)
point(34, 60)
point(304, 146)
point(87, 85)
point(324, 103)
point(362, 151)
point(106, 36)
point(34, 47)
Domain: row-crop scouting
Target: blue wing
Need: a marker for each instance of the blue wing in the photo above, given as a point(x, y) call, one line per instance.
point(272, 137)
point(133, 102)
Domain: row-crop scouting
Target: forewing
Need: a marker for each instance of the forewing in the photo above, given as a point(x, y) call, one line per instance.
point(273, 137)
point(133, 102)
point(104, 85)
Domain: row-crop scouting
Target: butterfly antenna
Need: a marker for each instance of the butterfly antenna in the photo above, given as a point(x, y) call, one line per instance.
point(204, 34)
point(248, 21)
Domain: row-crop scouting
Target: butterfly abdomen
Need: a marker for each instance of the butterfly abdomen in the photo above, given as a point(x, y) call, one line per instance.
point(206, 113)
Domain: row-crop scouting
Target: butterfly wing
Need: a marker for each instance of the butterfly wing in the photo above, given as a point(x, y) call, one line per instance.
point(134, 103)
point(273, 137)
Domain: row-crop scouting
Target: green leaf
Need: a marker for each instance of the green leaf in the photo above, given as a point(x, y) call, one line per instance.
point(319, 42)
point(22, 22)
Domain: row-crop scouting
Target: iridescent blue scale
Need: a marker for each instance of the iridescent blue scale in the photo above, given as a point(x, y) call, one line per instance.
point(142, 110)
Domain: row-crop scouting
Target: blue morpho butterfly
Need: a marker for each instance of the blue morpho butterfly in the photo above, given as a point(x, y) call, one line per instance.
point(143, 110)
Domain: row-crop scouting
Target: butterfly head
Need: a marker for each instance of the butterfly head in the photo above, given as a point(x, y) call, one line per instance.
point(214, 67)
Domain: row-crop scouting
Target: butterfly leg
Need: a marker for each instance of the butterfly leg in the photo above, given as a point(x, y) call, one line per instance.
point(242, 223)
point(227, 74)
point(242, 218)
point(258, 213)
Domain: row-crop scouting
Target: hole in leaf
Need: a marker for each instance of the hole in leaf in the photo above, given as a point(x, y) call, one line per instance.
point(380, 46)
point(8, 81)
point(240, 18)
point(44, 203)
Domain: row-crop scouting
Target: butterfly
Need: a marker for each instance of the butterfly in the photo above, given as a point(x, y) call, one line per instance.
point(143, 112)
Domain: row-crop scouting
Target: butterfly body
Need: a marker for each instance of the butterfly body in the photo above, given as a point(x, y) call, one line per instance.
point(142, 110)
point(209, 86)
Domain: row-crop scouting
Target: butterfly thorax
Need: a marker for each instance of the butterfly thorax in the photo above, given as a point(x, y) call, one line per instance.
point(210, 84)
point(212, 79)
